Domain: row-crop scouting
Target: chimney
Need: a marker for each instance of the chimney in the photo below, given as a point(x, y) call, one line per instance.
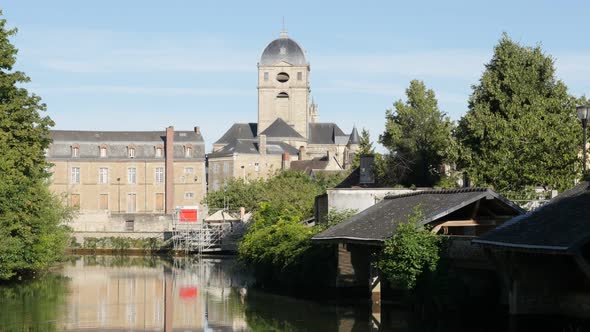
point(197, 130)
point(286, 161)
point(262, 144)
point(367, 174)
point(169, 163)
point(242, 213)
point(301, 153)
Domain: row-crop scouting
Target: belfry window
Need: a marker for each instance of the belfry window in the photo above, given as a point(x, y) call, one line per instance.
point(282, 77)
point(283, 95)
point(266, 76)
point(299, 76)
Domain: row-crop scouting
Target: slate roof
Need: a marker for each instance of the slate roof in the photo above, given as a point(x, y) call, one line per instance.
point(379, 222)
point(560, 226)
point(283, 49)
point(325, 133)
point(281, 129)
point(238, 131)
point(354, 137)
point(79, 136)
point(244, 146)
point(308, 166)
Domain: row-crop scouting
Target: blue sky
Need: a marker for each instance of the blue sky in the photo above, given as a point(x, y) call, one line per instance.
point(144, 65)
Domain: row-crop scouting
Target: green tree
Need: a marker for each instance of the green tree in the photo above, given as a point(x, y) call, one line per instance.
point(418, 136)
point(365, 147)
point(31, 235)
point(521, 128)
point(412, 251)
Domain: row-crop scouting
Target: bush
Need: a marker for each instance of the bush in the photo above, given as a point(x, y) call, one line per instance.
point(412, 251)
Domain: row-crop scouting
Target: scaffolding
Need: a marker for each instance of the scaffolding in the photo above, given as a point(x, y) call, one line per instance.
point(191, 235)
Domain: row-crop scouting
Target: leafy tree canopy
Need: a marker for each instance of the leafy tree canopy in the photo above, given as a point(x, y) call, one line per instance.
point(418, 136)
point(521, 128)
point(31, 235)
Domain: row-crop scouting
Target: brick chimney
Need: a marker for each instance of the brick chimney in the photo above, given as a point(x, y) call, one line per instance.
point(197, 130)
point(286, 161)
point(262, 144)
point(169, 188)
point(301, 153)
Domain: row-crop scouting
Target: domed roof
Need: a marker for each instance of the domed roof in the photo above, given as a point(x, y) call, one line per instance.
point(283, 49)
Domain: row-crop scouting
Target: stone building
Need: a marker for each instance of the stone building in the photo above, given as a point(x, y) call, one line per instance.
point(125, 172)
point(288, 123)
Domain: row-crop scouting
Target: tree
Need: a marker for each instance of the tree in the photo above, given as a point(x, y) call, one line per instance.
point(521, 128)
point(365, 147)
point(418, 136)
point(412, 251)
point(31, 235)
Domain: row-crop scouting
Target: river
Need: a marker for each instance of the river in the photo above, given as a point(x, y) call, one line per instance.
point(123, 293)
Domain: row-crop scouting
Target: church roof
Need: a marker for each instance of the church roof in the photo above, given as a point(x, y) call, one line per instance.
point(354, 137)
point(238, 131)
point(326, 133)
point(283, 49)
point(280, 129)
point(250, 146)
point(560, 226)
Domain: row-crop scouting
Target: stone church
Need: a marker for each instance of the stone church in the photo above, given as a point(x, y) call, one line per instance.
point(288, 125)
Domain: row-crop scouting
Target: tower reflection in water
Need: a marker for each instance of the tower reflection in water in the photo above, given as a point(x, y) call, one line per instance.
point(150, 294)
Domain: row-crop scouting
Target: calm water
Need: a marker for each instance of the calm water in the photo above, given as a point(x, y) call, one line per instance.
point(107, 293)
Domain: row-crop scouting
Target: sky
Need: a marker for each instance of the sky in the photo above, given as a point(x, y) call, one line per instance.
point(145, 65)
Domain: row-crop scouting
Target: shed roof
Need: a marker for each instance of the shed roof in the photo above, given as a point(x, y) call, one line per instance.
point(560, 226)
point(379, 222)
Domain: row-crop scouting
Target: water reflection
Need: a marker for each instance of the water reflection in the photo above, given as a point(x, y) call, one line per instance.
point(107, 293)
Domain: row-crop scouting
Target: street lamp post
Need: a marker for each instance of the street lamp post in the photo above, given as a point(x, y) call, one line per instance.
point(583, 112)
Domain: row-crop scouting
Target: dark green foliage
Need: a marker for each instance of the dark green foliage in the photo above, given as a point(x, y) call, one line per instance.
point(411, 252)
point(521, 128)
point(418, 136)
point(365, 147)
point(31, 233)
point(122, 243)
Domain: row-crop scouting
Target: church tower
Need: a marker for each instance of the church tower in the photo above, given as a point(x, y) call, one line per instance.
point(283, 85)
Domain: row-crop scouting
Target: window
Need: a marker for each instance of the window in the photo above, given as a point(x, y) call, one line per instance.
point(282, 77)
point(131, 203)
point(75, 178)
point(129, 225)
point(75, 201)
point(159, 174)
point(131, 175)
point(103, 152)
point(256, 167)
point(266, 76)
point(103, 202)
point(283, 95)
point(131, 152)
point(299, 76)
point(159, 201)
point(188, 170)
point(225, 168)
point(189, 195)
point(75, 152)
point(158, 152)
point(188, 152)
point(103, 175)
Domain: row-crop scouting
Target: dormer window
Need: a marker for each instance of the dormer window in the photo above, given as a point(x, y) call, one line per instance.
point(103, 151)
point(159, 152)
point(188, 152)
point(131, 152)
point(75, 151)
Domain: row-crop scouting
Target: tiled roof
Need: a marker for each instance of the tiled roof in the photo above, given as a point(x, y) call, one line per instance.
point(379, 222)
point(559, 226)
point(280, 129)
point(238, 131)
point(78, 136)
